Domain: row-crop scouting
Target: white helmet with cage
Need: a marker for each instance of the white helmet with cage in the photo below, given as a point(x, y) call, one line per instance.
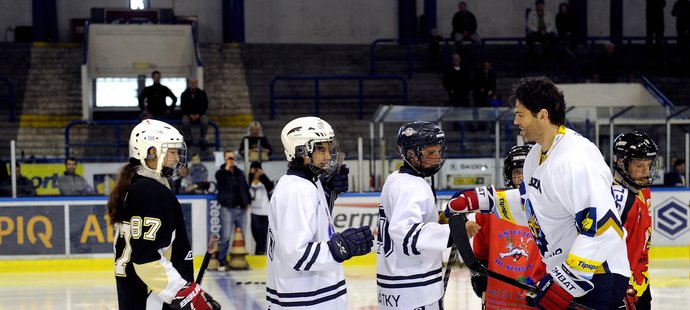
point(151, 140)
point(301, 135)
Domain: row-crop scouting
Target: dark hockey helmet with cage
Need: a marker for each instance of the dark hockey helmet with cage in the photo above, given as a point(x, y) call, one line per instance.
point(514, 160)
point(634, 145)
point(417, 135)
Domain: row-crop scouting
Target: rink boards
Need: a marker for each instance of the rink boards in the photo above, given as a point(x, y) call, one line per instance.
point(75, 230)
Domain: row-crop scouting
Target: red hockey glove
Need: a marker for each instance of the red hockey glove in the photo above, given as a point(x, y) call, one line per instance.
point(192, 297)
point(481, 199)
point(630, 298)
point(558, 288)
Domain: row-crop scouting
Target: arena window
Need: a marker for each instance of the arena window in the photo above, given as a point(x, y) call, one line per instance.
point(122, 92)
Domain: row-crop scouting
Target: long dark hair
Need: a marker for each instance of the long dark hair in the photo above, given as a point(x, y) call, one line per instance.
point(116, 200)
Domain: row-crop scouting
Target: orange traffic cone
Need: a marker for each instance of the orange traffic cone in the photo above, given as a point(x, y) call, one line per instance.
point(238, 253)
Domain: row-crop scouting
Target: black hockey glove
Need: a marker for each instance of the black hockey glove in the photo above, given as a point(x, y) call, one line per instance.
point(192, 297)
point(479, 282)
point(338, 182)
point(351, 242)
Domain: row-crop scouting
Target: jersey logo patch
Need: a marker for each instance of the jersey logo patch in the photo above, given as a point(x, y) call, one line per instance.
point(535, 183)
point(533, 223)
point(189, 256)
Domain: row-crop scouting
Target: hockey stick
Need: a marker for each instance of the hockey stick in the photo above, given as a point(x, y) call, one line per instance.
point(452, 259)
point(212, 247)
point(459, 233)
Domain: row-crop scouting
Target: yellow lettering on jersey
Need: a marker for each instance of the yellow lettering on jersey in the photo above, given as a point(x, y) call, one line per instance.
point(502, 208)
point(582, 264)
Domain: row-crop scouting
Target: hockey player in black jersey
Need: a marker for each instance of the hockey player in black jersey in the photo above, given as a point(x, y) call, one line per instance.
point(153, 257)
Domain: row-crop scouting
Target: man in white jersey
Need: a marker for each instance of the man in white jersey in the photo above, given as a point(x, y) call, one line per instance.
point(410, 240)
point(568, 205)
point(304, 252)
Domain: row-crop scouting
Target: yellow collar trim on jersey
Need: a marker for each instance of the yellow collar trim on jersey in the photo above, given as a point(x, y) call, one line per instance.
point(556, 139)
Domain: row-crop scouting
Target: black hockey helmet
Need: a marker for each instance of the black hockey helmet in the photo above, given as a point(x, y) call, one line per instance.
point(634, 145)
point(417, 135)
point(514, 160)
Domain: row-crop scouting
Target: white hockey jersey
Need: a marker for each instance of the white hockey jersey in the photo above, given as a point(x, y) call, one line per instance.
point(410, 242)
point(569, 207)
point(302, 273)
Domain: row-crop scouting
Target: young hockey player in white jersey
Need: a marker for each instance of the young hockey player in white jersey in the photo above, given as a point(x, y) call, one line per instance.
point(305, 254)
point(568, 205)
point(410, 240)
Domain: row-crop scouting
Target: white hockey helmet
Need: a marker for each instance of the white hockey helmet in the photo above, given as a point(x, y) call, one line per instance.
point(300, 136)
point(151, 139)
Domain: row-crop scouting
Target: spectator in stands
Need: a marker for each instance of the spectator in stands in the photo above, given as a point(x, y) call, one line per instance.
point(540, 28)
point(234, 199)
point(681, 10)
point(24, 186)
point(609, 65)
point(260, 190)
point(181, 184)
point(655, 23)
point(456, 81)
point(70, 183)
point(259, 148)
point(152, 99)
point(565, 24)
point(484, 85)
point(198, 175)
point(464, 26)
point(194, 104)
point(676, 177)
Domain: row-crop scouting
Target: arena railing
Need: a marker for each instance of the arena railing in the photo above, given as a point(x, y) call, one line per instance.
point(120, 141)
point(10, 97)
point(656, 92)
point(318, 97)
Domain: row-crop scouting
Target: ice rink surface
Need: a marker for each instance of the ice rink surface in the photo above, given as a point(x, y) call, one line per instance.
point(245, 289)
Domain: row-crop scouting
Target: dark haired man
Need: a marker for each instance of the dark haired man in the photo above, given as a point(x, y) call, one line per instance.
point(568, 205)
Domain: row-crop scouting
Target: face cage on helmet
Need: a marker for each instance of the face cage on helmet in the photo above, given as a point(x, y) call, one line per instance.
point(181, 153)
point(426, 172)
point(653, 172)
point(508, 173)
point(330, 165)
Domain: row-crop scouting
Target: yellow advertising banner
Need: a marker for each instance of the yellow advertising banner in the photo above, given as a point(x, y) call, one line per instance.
point(44, 177)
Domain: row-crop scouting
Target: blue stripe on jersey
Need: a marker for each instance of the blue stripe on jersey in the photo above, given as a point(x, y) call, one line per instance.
point(407, 239)
point(306, 302)
point(415, 276)
point(283, 298)
point(313, 257)
point(414, 240)
point(304, 256)
point(410, 284)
